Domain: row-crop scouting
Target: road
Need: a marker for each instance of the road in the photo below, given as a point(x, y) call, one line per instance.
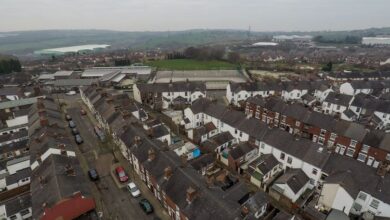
point(115, 203)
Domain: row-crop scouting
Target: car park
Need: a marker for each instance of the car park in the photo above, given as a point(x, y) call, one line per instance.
point(72, 124)
point(78, 139)
point(133, 189)
point(146, 206)
point(75, 131)
point(93, 175)
point(121, 174)
point(68, 117)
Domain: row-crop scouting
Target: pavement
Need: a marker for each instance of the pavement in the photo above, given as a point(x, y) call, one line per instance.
point(115, 203)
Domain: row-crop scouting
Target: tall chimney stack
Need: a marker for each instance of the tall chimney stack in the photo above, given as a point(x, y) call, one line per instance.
point(191, 195)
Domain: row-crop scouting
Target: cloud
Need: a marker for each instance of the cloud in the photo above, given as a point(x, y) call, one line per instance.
point(139, 15)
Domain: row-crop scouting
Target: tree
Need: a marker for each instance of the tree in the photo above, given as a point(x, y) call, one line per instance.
point(328, 67)
point(234, 57)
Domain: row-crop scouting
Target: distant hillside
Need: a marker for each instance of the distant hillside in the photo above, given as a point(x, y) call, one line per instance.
point(9, 64)
point(21, 43)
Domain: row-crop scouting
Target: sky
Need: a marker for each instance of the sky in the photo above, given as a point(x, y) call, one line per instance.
point(164, 15)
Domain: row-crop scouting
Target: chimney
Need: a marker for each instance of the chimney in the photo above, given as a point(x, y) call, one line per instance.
point(151, 155)
point(44, 121)
point(184, 160)
point(70, 170)
point(167, 172)
point(383, 169)
point(62, 148)
point(191, 195)
point(137, 140)
point(42, 181)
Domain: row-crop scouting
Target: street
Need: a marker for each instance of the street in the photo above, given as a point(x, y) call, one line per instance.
point(114, 202)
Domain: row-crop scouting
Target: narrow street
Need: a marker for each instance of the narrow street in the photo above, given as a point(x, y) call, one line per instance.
point(114, 202)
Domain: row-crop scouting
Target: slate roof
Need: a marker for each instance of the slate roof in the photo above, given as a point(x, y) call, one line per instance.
point(212, 143)
point(202, 161)
point(241, 150)
point(57, 184)
point(352, 130)
point(17, 204)
point(172, 87)
point(254, 86)
point(296, 179)
point(338, 99)
point(265, 163)
point(364, 177)
point(19, 175)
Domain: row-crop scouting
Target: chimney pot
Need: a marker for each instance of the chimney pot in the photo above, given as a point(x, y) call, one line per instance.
point(167, 172)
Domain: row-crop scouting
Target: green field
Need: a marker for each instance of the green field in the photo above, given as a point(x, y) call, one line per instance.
point(187, 64)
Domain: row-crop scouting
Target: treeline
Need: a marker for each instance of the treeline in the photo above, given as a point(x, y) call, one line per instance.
point(349, 39)
point(206, 54)
point(9, 65)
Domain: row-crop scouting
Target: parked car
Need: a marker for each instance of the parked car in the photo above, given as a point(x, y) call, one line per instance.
point(121, 174)
point(78, 139)
point(72, 124)
point(133, 189)
point(100, 133)
point(75, 131)
point(83, 112)
point(93, 175)
point(71, 93)
point(146, 206)
point(68, 117)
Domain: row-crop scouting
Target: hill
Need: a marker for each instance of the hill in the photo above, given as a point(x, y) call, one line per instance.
point(24, 42)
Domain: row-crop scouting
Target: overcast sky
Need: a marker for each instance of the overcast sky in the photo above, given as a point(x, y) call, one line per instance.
point(162, 15)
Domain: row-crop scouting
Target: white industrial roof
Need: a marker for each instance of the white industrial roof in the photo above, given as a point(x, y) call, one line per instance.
point(63, 73)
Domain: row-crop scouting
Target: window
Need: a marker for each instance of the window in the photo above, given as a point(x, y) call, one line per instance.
point(289, 160)
point(350, 152)
point(283, 118)
point(384, 115)
point(353, 143)
point(342, 150)
point(297, 123)
point(262, 146)
point(374, 204)
point(312, 182)
point(25, 212)
point(323, 132)
point(388, 156)
point(362, 196)
point(13, 217)
point(282, 156)
point(257, 115)
point(338, 107)
point(357, 109)
point(235, 131)
point(362, 157)
point(321, 140)
point(257, 143)
point(323, 176)
point(314, 171)
point(240, 133)
point(333, 136)
point(365, 148)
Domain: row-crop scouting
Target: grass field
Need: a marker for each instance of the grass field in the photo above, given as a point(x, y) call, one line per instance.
point(188, 64)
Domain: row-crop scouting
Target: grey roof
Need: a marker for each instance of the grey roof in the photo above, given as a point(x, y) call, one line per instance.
point(303, 149)
point(265, 163)
point(19, 102)
point(338, 99)
point(56, 184)
point(296, 179)
point(352, 130)
point(241, 149)
point(159, 131)
point(17, 160)
point(202, 161)
point(212, 143)
point(255, 86)
point(172, 87)
point(256, 202)
point(19, 175)
point(17, 204)
point(364, 177)
point(73, 82)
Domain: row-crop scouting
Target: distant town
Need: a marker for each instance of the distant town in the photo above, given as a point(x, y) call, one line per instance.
point(281, 127)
